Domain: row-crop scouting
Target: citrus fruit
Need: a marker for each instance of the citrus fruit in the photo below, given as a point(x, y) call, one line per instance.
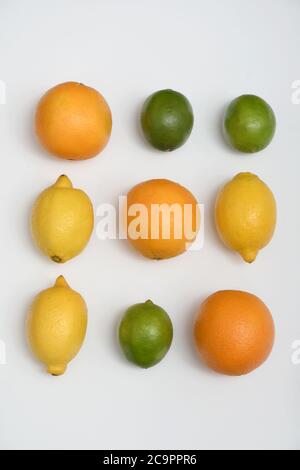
point(249, 124)
point(234, 332)
point(162, 218)
point(145, 334)
point(246, 215)
point(56, 326)
point(73, 121)
point(62, 221)
point(167, 119)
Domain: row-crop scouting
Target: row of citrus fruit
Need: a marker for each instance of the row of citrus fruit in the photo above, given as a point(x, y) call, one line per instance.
point(234, 330)
point(73, 121)
point(161, 218)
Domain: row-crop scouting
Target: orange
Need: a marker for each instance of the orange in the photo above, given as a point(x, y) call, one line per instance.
point(234, 332)
point(73, 121)
point(168, 221)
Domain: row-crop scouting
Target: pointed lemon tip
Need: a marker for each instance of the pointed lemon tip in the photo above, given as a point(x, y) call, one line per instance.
point(57, 369)
point(63, 182)
point(249, 256)
point(61, 282)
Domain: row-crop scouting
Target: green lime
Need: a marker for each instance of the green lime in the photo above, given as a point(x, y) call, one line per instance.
point(249, 124)
point(145, 334)
point(167, 119)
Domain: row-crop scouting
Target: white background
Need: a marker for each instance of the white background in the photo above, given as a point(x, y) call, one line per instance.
point(212, 51)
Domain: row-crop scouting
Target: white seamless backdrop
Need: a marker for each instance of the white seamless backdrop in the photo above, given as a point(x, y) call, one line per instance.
point(211, 51)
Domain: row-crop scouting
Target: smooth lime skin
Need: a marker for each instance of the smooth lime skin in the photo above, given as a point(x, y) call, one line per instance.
point(145, 334)
point(167, 120)
point(249, 124)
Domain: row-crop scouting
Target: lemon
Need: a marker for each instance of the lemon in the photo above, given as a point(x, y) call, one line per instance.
point(246, 215)
point(62, 221)
point(56, 326)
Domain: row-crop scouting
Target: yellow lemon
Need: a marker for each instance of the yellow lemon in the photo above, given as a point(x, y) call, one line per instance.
point(56, 326)
point(246, 215)
point(62, 221)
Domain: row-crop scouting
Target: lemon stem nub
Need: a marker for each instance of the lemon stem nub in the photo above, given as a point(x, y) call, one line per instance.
point(56, 259)
point(61, 282)
point(56, 370)
point(63, 182)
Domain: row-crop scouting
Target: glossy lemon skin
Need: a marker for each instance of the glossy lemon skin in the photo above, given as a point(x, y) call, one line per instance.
point(62, 221)
point(56, 326)
point(245, 215)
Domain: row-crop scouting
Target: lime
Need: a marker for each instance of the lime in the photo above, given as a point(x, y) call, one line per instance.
point(167, 119)
point(145, 334)
point(249, 124)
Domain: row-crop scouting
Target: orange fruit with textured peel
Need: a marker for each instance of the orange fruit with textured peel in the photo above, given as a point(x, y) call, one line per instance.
point(162, 218)
point(73, 121)
point(234, 332)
